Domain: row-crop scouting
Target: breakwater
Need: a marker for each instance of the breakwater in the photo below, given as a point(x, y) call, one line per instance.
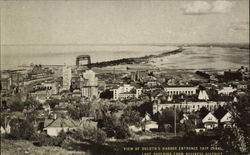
point(135, 60)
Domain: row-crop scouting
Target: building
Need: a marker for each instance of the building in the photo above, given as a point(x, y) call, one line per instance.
point(188, 106)
point(54, 126)
point(139, 75)
point(148, 124)
point(226, 120)
point(5, 86)
point(226, 90)
point(203, 95)
point(243, 85)
point(126, 91)
point(89, 84)
point(67, 75)
point(232, 75)
point(210, 121)
point(176, 90)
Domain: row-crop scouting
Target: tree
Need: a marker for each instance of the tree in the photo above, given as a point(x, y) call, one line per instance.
point(53, 102)
point(79, 110)
point(107, 94)
point(89, 133)
point(168, 117)
point(31, 104)
point(131, 117)
point(236, 140)
point(16, 106)
point(22, 129)
point(213, 94)
point(115, 127)
point(144, 108)
point(189, 126)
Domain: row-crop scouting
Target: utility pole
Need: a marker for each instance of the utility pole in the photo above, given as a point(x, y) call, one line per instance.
point(175, 121)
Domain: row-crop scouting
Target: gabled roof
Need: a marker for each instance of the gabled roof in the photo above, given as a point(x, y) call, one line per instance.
point(226, 118)
point(209, 118)
point(220, 113)
point(59, 122)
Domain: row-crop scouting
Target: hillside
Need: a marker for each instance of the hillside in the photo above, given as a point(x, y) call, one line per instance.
point(20, 147)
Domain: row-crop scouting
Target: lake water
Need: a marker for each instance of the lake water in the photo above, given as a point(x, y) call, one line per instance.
point(13, 56)
point(191, 58)
point(205, 58)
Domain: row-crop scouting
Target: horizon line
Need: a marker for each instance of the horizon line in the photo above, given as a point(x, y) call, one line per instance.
point(125, 44)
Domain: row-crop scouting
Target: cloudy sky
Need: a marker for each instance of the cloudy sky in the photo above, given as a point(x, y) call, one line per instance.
point(124, 22)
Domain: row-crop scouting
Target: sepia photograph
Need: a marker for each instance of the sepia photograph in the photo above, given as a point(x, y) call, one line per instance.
point(124, 77)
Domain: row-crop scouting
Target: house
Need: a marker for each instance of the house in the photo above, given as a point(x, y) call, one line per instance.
point(54, 126)
point(149, 124)
point(226, 120)
point(210, 121)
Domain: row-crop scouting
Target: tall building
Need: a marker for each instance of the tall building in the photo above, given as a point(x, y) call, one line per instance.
point(89, 84)
point(67, 75)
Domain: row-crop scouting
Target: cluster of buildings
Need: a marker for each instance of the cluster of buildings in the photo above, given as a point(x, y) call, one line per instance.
point(80, 81)
point(126, 91)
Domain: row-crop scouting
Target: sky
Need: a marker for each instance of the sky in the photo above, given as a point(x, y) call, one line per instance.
point(124, 22)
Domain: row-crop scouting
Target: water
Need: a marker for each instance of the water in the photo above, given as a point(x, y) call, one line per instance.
point(204, 58)
point(13, 56)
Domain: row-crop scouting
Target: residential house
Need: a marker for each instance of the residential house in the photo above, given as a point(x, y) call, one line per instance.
point(149, 124)
point(226, 120)
point(210, 121)
point(54, 126)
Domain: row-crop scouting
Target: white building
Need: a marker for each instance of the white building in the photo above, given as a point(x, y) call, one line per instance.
point(126, 91)
point(210, 121)
point(175, 90)
point(188, 106)
point(66, 77)
point(226, 120)
point(227, 90)
point(203, 95)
